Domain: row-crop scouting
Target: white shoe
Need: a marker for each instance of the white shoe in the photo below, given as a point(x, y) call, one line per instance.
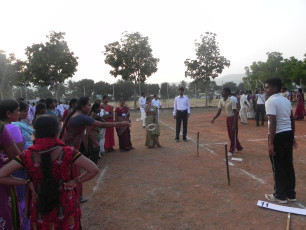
point(229, 154)
point(272, 198)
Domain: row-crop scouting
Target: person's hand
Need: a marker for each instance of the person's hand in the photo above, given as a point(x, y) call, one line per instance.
point(174, 116)
point(295, 144)
point(271, 150)
point(188, 114)
point(69, 185)
point(33, 192)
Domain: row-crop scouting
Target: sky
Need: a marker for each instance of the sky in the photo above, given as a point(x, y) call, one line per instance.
point(246, 30)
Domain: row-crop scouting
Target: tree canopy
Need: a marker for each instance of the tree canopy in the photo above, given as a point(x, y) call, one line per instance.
point(51, 63)
point(208, 63)
point(131, 58)
point(289, 70)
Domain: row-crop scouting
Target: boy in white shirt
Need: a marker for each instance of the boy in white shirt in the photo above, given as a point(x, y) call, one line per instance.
point(280, 142)
point(142, 104)
point(155, 102)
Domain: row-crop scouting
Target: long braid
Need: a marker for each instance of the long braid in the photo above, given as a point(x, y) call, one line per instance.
point(66, 122)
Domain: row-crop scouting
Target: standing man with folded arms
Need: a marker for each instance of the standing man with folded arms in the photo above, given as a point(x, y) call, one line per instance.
point(181, 113)
point(142, 104)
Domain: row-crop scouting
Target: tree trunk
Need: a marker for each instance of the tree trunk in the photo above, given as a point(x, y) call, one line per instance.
point(134, 96)
point(206, 94)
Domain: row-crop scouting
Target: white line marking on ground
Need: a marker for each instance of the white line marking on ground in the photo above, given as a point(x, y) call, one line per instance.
point(213, 152)
point(99, 181)
point(300, 205)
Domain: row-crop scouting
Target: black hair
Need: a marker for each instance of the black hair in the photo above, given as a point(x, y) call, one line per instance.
point(38, 108)
point(181, 88)
point(83, 101)
point(72, 101)
point(23, 105)
point(122, 99)
point(45, 126)
point(276, 82)
point(301, 91)
point(155, 95)
point(48, 192)
point(143, 93)
point(105, 96)
point(94, 107)
point(148, 98)
point(49, 101)
point(228, 90)
point(42, 100)
point(7, 105)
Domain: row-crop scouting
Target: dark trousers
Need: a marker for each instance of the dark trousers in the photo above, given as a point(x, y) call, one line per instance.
point(260, 113)
point(282, 166)
point(181, 116)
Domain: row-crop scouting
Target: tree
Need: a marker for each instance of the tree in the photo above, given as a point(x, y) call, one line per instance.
point(131, 58)
point(51, 63)
point(10, 74)
point(209, 63)
point(231, 85)
point(102, 88)
point(123, 89)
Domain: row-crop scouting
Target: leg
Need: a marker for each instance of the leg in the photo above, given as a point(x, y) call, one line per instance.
point(282, 164)
point(231, 135)
point(178, 125)
point(263, 113)
point(185, 121)
point(257, 114)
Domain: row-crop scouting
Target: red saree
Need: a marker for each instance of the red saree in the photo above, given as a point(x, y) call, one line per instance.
point(109, 134)
point(124, 136)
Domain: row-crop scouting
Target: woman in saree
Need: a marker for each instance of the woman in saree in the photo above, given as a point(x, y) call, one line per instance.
point(124, 134)
point(91, 136)
point(108, 116)
point(300, 109)
point(9, 211)
point(75, 125)
point(152, 127)
point(49, 162)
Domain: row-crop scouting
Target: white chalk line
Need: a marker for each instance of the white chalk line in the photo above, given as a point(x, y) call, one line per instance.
point(99, 181)
point(213, 152)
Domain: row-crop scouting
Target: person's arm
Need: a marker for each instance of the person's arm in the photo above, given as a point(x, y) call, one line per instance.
point(272, 131)
point(7, 170)
point(188, 107)
point(109, 124)
point(174, 108)
point(11, 151)
point(91, 170)
point(216, 116)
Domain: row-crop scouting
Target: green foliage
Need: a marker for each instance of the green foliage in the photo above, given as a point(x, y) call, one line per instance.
point(51, 63)
point(209, 64)
point(131, 58)
point(102, 88)
point(288, 70)
point(232, 85)
point(149, 89)
point(10, 74)
point(123, 89)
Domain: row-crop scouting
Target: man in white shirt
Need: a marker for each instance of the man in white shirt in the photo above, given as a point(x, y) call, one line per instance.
point(260, 107)
point(155, 102)
point(243, 108)
point(142, 103)
point(280, 142)
point(181, 112)
point(229, 106)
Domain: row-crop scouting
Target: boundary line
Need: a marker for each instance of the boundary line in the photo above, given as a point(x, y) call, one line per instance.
point(214, 153)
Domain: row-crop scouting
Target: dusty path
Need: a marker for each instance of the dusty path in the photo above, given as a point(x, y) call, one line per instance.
point(171, 188)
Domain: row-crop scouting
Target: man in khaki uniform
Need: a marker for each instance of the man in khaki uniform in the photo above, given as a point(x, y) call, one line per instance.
point(229, 106)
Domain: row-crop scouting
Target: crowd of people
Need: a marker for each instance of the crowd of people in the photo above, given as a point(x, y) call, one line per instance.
point(41, 178)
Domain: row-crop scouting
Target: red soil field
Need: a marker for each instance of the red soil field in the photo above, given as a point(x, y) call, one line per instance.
point(171, 188)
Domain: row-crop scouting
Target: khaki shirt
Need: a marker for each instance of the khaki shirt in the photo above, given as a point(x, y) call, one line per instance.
point(227, 106)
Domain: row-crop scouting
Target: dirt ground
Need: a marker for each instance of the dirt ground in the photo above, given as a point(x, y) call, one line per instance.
point(171, 188)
